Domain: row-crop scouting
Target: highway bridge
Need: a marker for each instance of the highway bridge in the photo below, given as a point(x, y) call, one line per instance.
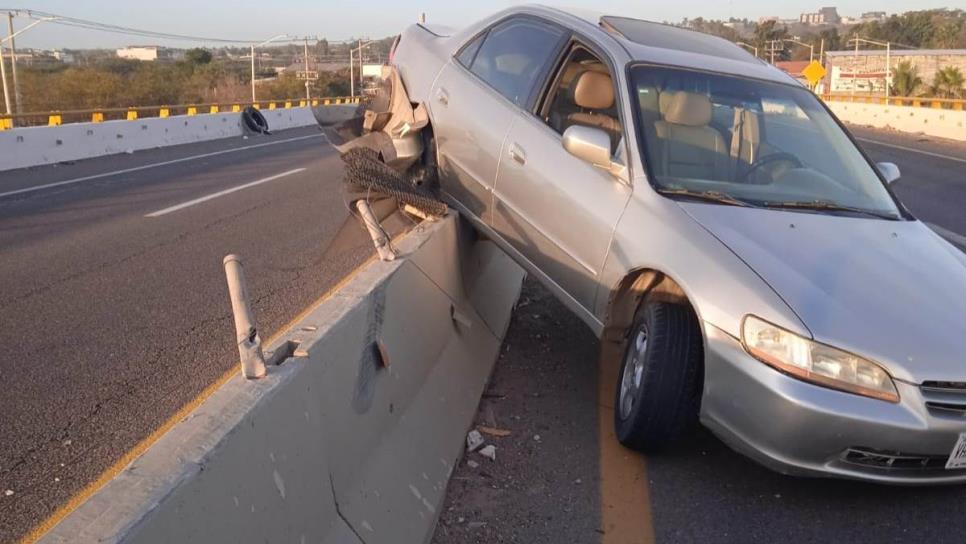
point(115, 318)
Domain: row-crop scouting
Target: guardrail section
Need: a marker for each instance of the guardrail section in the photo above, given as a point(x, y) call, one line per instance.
point(100, 115)
point(353, 439)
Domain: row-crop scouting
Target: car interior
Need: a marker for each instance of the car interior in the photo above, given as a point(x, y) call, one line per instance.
point(583, 95)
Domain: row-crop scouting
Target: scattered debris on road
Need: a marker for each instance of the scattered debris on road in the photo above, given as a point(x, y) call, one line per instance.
point(489, 452)
point(493, 431)
point(473, 441)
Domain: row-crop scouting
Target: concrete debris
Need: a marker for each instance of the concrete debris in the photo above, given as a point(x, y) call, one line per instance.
point(472, 464)
point(489, 452)
point(536, 438)
point(493, 431)
point(473, 440)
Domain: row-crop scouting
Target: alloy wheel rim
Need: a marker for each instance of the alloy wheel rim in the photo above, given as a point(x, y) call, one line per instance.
point(633, 374)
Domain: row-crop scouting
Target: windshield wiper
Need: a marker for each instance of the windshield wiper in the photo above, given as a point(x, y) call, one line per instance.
point(825, 205)
point(710, 196)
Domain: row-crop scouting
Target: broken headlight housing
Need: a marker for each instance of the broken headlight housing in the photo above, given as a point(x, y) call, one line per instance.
point(816, 363)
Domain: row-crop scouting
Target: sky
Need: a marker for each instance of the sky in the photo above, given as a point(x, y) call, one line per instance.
point(338, 20)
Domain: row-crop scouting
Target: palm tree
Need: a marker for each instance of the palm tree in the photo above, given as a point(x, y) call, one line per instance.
point(905, 79)
point(947, 83)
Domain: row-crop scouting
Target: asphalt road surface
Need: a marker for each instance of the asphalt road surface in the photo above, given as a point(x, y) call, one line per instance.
point(560, 476)
point(114, 311)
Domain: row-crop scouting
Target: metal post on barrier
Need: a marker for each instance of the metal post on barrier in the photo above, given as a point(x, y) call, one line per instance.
point(378, 235)
point(246, 332)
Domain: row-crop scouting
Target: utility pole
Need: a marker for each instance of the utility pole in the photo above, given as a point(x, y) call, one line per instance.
point(13, 62)
point(3, 75)
point(308, 93)
point(352, 75)
point(253, 75)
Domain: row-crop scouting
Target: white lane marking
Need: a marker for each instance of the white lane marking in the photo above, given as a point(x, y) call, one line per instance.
point(152, 165)
point(913, 150)
point(949, 235)
point(206, 198)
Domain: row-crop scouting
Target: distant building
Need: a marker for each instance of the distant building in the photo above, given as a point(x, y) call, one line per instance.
point(871, 16)
point(768, 18)
point(64, 56)
point(824, 16)
point(149, 53)
point(865, 71)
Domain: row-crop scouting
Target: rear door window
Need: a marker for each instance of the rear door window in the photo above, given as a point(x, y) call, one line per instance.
point(466, 56)
point(515, 57)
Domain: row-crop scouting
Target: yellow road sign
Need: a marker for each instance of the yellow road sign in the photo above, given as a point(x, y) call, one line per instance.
point(814, 72)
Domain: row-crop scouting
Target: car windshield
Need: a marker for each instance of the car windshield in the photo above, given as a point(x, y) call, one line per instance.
point(736, 140)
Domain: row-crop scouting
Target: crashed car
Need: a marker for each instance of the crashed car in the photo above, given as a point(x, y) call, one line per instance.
point(709, 214)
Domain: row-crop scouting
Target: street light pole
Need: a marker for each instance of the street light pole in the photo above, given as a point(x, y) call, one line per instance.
point(811, 48)
point(13, 62)
point(266, 42)
point(888, 74)
point(352, 78)
point(13, 59)
point(748, 46)
point(308, 94)
point(3, 75)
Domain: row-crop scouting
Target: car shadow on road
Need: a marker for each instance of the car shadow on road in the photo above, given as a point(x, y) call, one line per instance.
point(702, 491)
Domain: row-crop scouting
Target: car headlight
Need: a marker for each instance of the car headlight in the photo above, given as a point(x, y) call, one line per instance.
point(816, 363)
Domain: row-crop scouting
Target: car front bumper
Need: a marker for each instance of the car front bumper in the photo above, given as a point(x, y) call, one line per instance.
point(802, 429)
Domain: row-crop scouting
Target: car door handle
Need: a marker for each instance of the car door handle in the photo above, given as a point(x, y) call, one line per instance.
point(517, 154)
point(442, 96)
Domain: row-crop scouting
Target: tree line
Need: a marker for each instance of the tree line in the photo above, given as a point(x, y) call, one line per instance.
point(197, 79)
point(926, 29)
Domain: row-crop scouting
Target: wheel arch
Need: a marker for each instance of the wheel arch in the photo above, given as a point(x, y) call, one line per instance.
point(632, 290)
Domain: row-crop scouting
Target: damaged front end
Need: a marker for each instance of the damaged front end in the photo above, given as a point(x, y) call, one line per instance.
point(386, 168)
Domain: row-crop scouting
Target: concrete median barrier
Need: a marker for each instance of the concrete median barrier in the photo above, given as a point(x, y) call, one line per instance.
point(941, 123)
point(351, 440)
point(36, 146)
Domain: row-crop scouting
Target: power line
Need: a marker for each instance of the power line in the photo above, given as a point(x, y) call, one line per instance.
point(63, 20)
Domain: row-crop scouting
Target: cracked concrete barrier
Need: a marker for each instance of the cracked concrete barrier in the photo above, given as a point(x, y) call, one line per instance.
point(354, 438)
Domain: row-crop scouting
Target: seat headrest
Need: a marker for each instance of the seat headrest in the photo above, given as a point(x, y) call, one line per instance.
point(689, 109)
point(594, 91)
point(664, 100)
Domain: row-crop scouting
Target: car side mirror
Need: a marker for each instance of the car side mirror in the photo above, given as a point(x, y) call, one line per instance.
point(889, 171)
point(593, 145)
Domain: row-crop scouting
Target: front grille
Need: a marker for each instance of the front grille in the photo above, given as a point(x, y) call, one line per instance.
point(945, 398)
point(893, 460)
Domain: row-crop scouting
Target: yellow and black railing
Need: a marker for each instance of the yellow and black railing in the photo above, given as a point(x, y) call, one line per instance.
point(954, 104)
point(100, 115)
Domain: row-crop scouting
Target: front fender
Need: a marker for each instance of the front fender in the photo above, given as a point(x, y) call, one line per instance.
point(656, 234)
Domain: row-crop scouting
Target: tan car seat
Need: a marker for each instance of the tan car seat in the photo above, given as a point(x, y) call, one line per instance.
point(593, 93)
point(690, 147)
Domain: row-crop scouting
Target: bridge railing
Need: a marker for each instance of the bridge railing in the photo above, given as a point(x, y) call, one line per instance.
point(99, 115)
point(913, 101)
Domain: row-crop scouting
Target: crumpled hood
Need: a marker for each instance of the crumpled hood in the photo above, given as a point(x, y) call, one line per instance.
point(892, 291)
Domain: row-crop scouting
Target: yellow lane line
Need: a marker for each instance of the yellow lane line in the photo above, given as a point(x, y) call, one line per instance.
point(81, 496)
point(625, 501)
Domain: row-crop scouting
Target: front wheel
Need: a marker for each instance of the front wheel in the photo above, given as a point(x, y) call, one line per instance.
point(659, 387)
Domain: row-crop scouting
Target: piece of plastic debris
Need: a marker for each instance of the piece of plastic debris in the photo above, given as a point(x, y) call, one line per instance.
point(473, 440)
point(489, 452)
point(493, 431)
point(578, 481)
point(536, 437)
point(472, 464)
point(8, 492)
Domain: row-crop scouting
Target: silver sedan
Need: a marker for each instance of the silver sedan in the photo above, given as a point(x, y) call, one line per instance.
point(708, 213)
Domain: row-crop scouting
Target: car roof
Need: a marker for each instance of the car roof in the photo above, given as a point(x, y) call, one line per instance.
point(658, 43)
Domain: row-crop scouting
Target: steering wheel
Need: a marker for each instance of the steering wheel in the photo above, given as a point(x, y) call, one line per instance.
point(769, 159)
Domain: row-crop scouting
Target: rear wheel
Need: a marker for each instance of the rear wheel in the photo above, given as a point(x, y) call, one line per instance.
point(659, 387)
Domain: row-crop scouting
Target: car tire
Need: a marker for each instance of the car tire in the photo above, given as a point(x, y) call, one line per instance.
point(659, 385)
